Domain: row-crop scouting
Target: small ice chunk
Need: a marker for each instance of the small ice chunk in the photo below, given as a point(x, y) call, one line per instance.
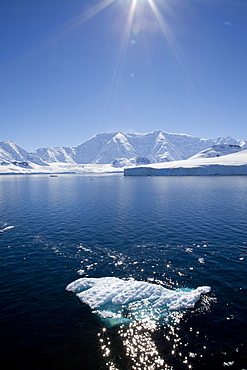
point(230, 363)
point(81, 272)
point(6, 228)
point(201, 260)
point(193, 355)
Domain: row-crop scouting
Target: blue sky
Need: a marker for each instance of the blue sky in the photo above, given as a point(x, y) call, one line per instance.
point(73, 68)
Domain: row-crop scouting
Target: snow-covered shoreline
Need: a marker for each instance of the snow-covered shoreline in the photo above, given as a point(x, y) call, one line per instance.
point(152, 154)
point(57, 169)
point(228, 165)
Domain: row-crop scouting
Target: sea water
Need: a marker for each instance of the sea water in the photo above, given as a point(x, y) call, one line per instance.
point(165, 234)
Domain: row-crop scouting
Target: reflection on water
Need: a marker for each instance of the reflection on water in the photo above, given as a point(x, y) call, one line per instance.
point(147, 344)
point(152, 343)
point(140, 347)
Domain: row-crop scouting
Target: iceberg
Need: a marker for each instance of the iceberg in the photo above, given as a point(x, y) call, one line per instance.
point(119, 301)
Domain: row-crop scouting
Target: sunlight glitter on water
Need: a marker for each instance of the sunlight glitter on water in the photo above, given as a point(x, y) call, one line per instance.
point(143, 329)
point(140, 349)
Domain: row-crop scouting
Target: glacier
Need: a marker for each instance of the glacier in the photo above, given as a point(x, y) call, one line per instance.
point(118, 301)
point(227, 165)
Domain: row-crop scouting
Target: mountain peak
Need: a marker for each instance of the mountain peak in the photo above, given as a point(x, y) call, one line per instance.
point(105, 148)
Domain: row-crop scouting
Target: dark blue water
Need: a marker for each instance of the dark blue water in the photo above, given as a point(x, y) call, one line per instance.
point(178, 232)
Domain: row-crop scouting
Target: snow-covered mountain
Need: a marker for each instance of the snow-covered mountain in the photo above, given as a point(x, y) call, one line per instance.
point(156, 146)
point(121, 149)
point(11, 152)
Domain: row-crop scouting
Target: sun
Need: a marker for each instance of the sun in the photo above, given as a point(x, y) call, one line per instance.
point(141, 17)
point(133, 8)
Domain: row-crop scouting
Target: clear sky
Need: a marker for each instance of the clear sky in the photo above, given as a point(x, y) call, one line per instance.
point(73, 68)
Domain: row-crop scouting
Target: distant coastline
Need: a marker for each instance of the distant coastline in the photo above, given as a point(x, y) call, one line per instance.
point(156, 153)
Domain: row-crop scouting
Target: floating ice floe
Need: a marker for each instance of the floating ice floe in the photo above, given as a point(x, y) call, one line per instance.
point(230, 363)
point(201, 260)
point(119, 301)
point(81, 272)
point(6, 228)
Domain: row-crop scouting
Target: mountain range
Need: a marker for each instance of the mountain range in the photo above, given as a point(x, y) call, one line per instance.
point(122, 149)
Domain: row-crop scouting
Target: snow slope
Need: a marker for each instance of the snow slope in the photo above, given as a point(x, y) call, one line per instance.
point(219, 150)
point(230, 164)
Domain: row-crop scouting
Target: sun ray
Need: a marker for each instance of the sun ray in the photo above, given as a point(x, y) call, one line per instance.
point(166, 30)
point(121, 53)
point(126, 35)
point(79, 20)
point(69, 27)
point(174, 46)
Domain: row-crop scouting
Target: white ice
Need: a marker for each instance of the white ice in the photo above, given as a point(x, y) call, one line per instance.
point(6, 228)
point(115, 296)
